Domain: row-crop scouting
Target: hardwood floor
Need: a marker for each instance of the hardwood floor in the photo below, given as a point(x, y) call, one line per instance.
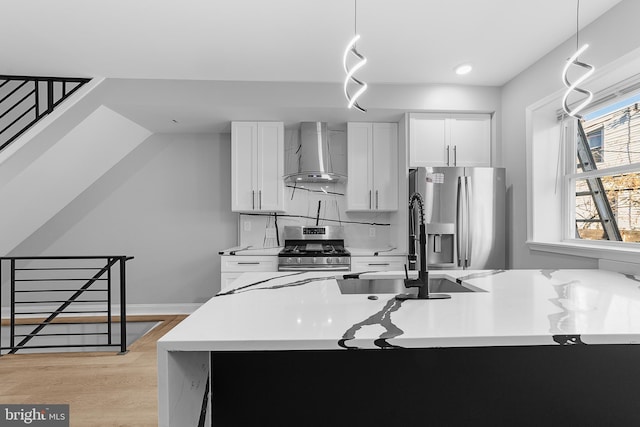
point(101, 388)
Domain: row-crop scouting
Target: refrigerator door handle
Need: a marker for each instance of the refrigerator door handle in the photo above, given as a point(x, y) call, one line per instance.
point(469, 235)
point(459, 224)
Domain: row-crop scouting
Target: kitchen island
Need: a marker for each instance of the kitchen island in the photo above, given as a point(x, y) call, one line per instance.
point(530, 347)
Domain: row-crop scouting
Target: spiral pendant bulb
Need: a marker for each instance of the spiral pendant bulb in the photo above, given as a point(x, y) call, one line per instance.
point(350, 77)
point(573, 87)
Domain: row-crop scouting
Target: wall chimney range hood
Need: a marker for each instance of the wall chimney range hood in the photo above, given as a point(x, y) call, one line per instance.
point(314, 160)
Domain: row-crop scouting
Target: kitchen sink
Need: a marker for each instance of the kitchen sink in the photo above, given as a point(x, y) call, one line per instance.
point(396, 286)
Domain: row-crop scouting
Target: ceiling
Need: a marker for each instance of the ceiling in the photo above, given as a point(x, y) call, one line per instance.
point(405, 41)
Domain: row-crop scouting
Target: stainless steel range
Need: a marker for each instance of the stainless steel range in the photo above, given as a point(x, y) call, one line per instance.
point(314, 248)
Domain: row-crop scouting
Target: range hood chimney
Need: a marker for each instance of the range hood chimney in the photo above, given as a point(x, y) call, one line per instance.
point(314, 159)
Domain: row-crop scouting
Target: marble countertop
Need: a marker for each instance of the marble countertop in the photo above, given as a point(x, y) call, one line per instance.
point(250, 250)
point(302, 310)
point(259, 251)
point(376, 252)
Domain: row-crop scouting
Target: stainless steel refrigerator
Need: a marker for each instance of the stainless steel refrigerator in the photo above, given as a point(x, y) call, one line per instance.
point(464, 214)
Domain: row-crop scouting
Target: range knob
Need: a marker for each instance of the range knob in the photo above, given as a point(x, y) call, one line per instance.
point(289, 260)
point(299, 260)
point(329, 260)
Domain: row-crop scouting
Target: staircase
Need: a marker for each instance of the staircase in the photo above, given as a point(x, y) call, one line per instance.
point(25, 100)
point(56, 149)
point(54, 286)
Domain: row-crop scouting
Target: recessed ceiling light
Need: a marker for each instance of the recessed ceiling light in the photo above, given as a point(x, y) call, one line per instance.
point(463, 69)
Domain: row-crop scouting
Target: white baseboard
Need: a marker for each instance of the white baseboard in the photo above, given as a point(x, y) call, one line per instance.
point(132, 310)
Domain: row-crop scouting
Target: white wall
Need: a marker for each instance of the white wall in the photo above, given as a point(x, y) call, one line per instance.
point(210, 106)
point(63, 172)
point(611, 37)
point(168, 204)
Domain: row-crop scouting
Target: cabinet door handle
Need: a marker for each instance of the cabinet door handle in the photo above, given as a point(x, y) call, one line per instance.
point(378, 263)
point(376, 199)
point(248, 262)
point(455, 155)
point(448, 164)
point(369, 199)
point(260, 199)
point(253, 199)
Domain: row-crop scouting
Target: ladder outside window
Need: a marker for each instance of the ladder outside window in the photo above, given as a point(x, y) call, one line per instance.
point(606, 180)
point(595, 189)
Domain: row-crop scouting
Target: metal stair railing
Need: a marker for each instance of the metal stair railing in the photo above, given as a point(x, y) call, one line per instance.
point(24, 100)
point(596, 190)
point(34, 281)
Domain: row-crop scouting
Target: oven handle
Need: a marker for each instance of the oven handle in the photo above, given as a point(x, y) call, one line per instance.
point(309, 268)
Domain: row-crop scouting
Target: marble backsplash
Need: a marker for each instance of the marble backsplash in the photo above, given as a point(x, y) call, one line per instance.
point(317, 204)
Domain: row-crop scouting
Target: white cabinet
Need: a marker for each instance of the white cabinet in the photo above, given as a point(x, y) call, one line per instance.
point(437, 139)
point(471, 139)
point(378, 263)
point(428, 139)
point(226, 279)
point(372, 161)
point(232, 266)
point(246, 263)
point(257, 166)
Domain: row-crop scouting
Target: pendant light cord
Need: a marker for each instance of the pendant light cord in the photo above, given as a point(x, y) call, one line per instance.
point(577, 23)
point(355, 18)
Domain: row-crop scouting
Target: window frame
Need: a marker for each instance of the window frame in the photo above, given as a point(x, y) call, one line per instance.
point(573, 174)
point(549, 137)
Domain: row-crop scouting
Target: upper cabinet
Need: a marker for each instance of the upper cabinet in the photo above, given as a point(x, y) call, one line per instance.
point(437, 139)
point(372, 163)
point(257, 166)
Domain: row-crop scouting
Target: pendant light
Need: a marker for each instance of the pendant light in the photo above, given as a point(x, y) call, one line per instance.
point(573, 87)
point(350, 72)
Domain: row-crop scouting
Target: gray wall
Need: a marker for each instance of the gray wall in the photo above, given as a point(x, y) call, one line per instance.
point(612, 36)
point(168, 204)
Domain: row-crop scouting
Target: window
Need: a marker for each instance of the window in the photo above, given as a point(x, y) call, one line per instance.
point(582, 188)
point(605, 183)
point(595, 143)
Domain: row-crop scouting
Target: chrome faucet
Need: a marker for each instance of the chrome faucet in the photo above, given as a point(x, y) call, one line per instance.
point(422, 282)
